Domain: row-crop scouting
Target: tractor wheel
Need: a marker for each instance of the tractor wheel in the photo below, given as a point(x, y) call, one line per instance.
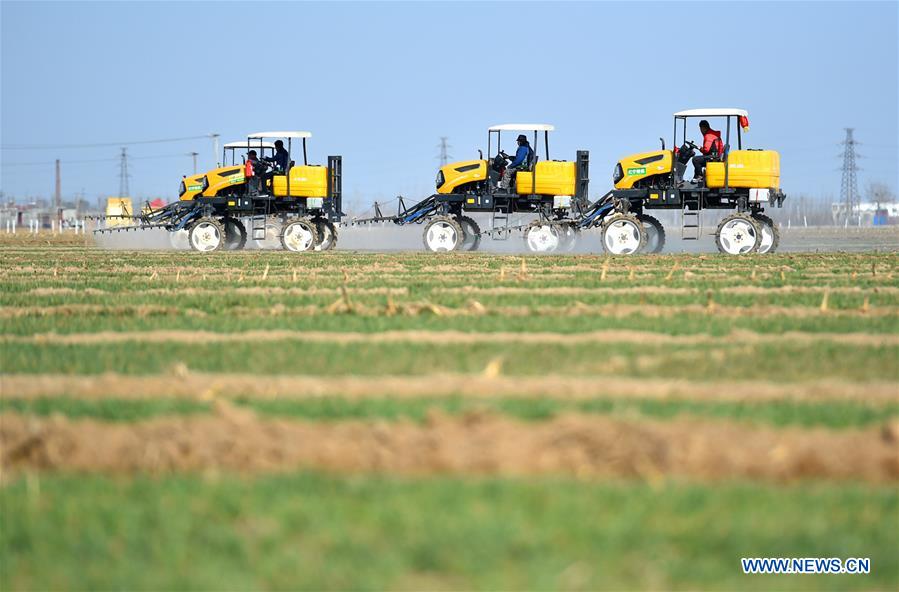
point(272, 240)
point(623, 234)
point(738, 234)
point(443, 233)
point(542, 237)
point(655, 234)
point(299, 235)
point(207, 235)
point(327, 234)
point(570, 234)
point(472, 234)
point(180, 239)
point(770, 234)
point(235, 234)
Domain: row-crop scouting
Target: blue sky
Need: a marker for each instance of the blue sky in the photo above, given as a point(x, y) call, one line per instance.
point(379, 83)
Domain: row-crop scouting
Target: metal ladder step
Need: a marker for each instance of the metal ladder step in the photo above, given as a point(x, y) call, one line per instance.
point(500, 219)
point(257, 227)
point(691, 221)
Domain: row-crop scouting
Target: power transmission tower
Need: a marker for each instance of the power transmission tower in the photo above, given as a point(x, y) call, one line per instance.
point(444, 151)
point(849, 195)
point(123, 175)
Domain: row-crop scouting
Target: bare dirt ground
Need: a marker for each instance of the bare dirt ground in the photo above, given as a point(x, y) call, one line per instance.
point(473, 444)
point(184, 383)
point(450, 337)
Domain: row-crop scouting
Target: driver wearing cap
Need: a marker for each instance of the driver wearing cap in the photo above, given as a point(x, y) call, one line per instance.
point(521, 162)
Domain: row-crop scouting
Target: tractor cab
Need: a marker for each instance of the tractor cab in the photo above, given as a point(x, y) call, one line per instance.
point(299, 180)
point(502, 160)
point(530, 186)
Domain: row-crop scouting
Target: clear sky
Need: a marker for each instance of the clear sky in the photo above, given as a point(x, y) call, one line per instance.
point(380, 83)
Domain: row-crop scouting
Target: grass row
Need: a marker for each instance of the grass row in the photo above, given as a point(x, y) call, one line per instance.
point(237, 319)
point(310, 531)
point(778, 361)
point(829, 414)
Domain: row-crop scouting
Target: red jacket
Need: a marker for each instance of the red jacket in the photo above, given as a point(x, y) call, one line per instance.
point(711, 142)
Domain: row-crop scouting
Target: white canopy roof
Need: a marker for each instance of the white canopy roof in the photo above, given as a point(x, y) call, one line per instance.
point(281, 135)
point(245, 144)
point(718, 112)
point(518, 127)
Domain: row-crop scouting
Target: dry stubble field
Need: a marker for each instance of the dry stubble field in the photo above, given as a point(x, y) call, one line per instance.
point(347, 420)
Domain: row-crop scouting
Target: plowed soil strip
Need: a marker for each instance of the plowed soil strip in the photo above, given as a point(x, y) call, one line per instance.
point(203, 386)
point(664, 290)
point(237, 440)
point(473, 309)
point(736, 338)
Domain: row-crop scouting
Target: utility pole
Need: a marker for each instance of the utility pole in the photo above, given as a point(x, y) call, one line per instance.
point(194, 154)
point(444, 151)
point(849, 195)
point(123, 175)
point(57, 196)
point(215, 149)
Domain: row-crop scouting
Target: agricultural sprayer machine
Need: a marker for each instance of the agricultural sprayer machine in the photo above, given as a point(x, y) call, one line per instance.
point(294, 206)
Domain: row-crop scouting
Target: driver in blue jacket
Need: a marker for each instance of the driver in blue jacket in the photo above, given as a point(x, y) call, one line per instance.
point(521, 162)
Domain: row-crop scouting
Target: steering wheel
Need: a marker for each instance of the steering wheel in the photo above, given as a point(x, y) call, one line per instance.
point(691, 144)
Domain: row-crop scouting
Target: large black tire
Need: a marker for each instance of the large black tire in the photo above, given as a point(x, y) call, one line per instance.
point(655, 234)
point(327, 234)
point(442, 234)
point(235, 234)
point(472, 239)
point(206, 235)
point(738, 234)
point(769, 242)
point(623, 234)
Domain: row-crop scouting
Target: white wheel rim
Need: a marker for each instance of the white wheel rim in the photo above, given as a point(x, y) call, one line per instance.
point(297, 237)
point(542, 239)
point(737, 237)
point(767, 237)
point(622, 237)
point(205, 236)
point(441, 236)
point(180, 239)
point(272, 234)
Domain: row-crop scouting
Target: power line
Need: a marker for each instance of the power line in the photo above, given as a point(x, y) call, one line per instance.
point(102, 144)
point(67, 162)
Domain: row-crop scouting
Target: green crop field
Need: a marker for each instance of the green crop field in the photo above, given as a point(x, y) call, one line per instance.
point(354, 420)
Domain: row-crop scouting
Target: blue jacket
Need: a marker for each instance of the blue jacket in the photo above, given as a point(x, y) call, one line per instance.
point(522, 157)
point(281, 159)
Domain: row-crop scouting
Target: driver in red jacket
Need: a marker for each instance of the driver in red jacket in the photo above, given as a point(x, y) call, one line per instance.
point(712, 150)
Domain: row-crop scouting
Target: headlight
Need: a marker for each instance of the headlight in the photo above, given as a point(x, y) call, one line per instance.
point(181, 189)
point(618, 174)
point(205, 183)
point(440, 179)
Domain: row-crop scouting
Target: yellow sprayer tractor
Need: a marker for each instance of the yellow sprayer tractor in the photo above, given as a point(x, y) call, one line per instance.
point(546, 188)
point(298, 204)
point(743, 180)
